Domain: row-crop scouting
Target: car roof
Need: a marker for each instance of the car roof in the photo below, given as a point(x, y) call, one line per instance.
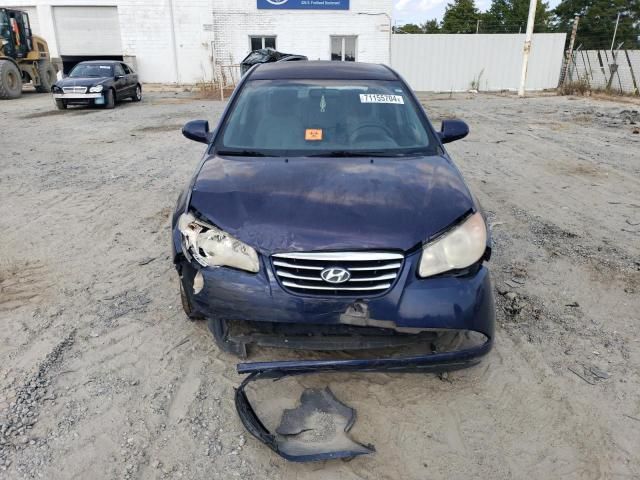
point(322, 70)
point(102, 62)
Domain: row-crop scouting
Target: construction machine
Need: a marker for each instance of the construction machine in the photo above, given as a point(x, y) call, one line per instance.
point(24, 57)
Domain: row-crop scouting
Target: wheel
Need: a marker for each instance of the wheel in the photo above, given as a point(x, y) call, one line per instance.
point(138, 95)
point(109, 99)
point(47, 76)
point(186, 304)
point(61, 104)
point(10, 80)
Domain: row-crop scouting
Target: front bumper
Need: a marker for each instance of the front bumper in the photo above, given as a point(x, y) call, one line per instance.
point(77, 96)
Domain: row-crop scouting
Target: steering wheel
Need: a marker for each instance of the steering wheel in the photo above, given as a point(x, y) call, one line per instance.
point(372, 126)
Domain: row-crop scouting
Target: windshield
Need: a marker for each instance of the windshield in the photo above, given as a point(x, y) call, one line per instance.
point(91, 70)
point(325, 117)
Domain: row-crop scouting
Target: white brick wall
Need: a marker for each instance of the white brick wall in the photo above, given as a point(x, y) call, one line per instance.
point(185, 41)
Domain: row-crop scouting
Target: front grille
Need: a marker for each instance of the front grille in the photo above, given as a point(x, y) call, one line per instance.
point(74, 89)
point(371, 273)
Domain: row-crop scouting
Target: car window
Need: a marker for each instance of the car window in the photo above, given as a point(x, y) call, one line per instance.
point(126, 69)
point(311, 117)
point(119, 70)
point(91, 70)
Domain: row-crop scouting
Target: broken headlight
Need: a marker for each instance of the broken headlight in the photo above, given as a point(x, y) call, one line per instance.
point(211, 247)
point(459, 248)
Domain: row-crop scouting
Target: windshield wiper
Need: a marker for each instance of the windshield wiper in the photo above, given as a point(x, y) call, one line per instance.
point(240, 153)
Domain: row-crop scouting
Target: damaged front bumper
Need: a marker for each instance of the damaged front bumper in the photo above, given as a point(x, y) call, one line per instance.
point(413, 308)
point(292, 448)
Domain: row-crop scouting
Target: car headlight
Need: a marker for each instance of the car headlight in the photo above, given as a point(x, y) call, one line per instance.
point(96, 89)
point(459, 248)
point(211, 247)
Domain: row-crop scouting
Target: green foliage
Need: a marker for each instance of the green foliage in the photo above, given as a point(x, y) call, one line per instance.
point(461, 16)
point(510, 16)
point(430, 26)
point(598, 20)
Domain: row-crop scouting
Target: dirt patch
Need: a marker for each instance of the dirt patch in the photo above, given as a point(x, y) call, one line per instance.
point(141, 392)
point(161, 128)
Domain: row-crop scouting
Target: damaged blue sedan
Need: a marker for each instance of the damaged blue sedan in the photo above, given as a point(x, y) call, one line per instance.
point(327, 215)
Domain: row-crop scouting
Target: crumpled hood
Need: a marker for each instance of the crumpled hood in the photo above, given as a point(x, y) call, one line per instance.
point(81, 81)
point(307, 204)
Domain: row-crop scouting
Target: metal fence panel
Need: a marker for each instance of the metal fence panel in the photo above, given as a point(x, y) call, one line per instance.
point(488, 62)
point(617, 71)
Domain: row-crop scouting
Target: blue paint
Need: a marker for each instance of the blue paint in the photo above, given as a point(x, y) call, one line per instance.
point(303, 4)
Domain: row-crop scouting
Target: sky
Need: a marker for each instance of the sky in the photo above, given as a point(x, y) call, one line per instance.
point(419, 11)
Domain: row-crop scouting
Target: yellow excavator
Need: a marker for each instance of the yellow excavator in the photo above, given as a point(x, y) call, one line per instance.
point(24, 57)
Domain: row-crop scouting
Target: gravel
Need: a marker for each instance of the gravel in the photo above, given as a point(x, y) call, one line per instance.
point(103, 376)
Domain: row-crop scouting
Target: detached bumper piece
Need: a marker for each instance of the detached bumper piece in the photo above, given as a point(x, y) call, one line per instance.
point(316, 430)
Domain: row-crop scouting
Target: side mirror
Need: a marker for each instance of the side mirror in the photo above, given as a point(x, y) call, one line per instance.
point(453, 130)
point(197, 130)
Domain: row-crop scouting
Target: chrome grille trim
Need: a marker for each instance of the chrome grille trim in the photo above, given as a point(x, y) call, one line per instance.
point(372, 273)
point(341, 256)
point(306, 287)
point(74, 89)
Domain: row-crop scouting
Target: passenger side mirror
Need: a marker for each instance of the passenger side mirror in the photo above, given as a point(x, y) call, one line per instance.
point(197, 130)
point(453, 130)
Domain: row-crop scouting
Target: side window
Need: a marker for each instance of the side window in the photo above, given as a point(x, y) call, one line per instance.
point(119, 70)
point(126, 69)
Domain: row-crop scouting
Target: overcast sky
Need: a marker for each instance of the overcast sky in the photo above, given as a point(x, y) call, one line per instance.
point(419, 11)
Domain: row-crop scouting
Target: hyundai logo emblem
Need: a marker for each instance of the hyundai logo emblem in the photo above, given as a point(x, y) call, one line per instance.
point(277, 2)
point(335, 275)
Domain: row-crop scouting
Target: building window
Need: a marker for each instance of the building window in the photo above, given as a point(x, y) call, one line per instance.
point(343, 49)
point(257, 43)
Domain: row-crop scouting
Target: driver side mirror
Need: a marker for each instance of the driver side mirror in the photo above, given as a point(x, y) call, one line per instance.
point(453, 130)
point(197, 130)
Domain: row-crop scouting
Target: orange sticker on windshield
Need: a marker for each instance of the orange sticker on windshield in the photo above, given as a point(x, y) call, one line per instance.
point(313, 134)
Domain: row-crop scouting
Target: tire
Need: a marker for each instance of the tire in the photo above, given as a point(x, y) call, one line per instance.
point(61, 104)
point(10, 80)
point(47, 76)
point(137, 96)
point(109, 99)
point(186, 304)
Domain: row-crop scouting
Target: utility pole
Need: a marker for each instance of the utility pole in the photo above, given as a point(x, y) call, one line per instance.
point(615, 31)
point(477, 26)
point(569, 56)
point(527, 45)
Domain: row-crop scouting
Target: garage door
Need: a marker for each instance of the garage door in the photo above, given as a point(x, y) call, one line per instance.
point(87, 31)
point(33, 18)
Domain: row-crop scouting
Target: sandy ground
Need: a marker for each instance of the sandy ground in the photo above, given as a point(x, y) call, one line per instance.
point(102, 376)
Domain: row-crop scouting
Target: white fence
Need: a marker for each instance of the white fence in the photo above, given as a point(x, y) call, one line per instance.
point(486, 62)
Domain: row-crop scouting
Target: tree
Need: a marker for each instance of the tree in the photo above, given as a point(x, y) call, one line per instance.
point(461, 16)
point(431, 26)
point(409, 28)
point(598, 21)
point(507, 16)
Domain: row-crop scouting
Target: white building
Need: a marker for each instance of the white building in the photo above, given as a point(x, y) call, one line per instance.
point(189, 41)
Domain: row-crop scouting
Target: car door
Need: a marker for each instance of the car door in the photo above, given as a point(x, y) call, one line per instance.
point(120, 81)
point(131, 79)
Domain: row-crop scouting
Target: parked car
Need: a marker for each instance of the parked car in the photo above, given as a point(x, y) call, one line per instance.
point(268, 55)
point(97, 82)
point(327, 214)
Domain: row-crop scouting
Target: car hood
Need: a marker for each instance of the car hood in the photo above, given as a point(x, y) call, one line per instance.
point(306, 204)
point(81, 81)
